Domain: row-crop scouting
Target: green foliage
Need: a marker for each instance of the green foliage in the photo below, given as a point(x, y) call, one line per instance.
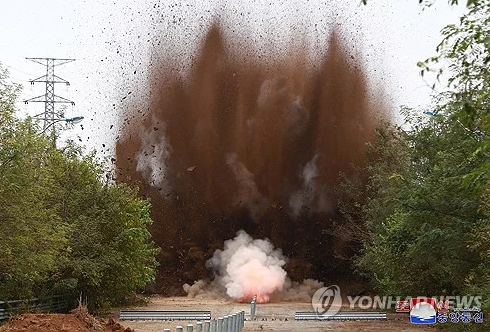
point(62, 228)
point(465, 51)
point(31, 233)
point(420, 214)
point(426, 206)
point(110, 253)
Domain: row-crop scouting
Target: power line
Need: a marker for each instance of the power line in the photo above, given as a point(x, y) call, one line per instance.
point(18, 79)
point(20, 71)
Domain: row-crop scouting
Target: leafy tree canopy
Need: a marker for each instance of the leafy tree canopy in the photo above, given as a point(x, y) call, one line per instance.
point(63, 229)
point(424, 210)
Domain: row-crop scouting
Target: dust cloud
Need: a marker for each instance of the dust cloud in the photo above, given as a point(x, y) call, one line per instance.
point(242, 142)
point(248, 267)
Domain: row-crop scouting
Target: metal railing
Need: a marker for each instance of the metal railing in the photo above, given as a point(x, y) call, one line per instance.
point(58, 303)
point(232, 323)
point(342, 315)
point(164, 315)
point(3, 315)
point(253, 307)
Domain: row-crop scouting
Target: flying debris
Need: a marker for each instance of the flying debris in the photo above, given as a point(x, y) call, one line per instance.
point(266, 138)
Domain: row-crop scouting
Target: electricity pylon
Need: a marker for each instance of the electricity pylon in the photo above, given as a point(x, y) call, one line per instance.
point(49, 116)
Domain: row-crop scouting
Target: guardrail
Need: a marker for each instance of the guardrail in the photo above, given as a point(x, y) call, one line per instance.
point(3, 315)
point(59, 303)
point(164, 315)
point(342, 315)
point(232, 323)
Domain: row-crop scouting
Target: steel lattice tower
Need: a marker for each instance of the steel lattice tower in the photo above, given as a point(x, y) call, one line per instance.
point(49, 99)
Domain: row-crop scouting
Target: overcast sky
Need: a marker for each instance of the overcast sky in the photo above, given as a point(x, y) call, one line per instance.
point(112, 42)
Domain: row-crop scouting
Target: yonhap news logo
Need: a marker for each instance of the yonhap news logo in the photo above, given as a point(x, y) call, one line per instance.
point(327, 301)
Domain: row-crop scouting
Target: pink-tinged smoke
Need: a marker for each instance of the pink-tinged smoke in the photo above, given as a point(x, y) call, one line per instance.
point(248, 267)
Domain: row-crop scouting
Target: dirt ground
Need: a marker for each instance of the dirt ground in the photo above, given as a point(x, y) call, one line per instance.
point(270, 317)
point(77, 321)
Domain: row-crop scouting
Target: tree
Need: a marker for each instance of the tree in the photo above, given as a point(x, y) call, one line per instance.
point(110, 253)
point(420, 215)
point(63, 228)
point(465, 53)
point(466, 50)
point(427, 203)
point(31, 233)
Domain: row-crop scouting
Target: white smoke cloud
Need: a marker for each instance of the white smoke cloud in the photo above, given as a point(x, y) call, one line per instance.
point(248, 267)
point(248, 195)
point(306, 195)
point(297, 116)
point(310, 197)
point(205, 290)
point(300, 291)
point(266, 90)
point(152, 159)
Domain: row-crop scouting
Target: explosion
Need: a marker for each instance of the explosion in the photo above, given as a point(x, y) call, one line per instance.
point(253, 143)
point(248, 267)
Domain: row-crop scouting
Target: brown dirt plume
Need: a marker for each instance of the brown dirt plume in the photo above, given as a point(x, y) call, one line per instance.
point(240, 143)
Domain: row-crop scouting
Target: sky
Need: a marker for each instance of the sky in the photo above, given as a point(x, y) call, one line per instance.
point(114, 41)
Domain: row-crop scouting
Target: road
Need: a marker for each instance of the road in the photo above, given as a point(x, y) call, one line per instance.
point(270, 317)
